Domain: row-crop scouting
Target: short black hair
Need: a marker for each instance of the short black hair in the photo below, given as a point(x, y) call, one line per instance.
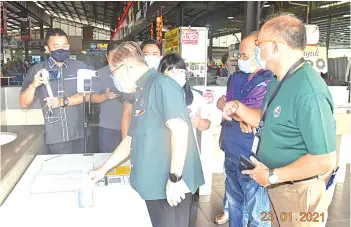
point(54, 32)
point(288, 27)
point(151, 42)
point(111, 46)
point(225, 59)
point(171, 61)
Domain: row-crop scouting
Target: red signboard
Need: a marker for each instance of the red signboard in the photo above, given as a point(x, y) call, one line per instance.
point(3, 20)
point(209, 97)
point(190, 37)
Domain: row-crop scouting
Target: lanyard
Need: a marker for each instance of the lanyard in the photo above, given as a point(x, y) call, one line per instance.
point(274, 94)
point(257, 140)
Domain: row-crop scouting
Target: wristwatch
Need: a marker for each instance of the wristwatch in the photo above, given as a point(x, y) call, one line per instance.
point(65, 102)
point(175, 178)
point(272, 178)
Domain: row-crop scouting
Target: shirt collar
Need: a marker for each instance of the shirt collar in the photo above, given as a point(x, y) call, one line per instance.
point(142, 80)
point(52, 63)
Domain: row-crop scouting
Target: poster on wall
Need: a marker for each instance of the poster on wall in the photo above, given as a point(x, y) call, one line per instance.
point(172, 41)
point(3, 21)
point(193, 47)
point(317, 57)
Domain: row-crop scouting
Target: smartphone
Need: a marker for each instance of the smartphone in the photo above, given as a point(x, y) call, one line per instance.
point(245, 163)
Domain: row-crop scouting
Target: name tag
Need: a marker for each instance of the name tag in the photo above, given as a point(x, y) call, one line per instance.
point(255, 145)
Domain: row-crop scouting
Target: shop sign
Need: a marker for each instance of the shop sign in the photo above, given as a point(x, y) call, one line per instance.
point(317, 57)
point(172, 41)
point(190, 37)
point(209, 97)
point(102, 46)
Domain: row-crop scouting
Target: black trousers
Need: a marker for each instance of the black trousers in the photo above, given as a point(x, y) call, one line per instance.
point(70, 147)
point(109, 139)
point(163, 215)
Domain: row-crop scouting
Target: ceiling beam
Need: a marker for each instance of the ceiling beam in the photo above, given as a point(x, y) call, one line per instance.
point(73, 3)
point(59, 8)
point(69, 11)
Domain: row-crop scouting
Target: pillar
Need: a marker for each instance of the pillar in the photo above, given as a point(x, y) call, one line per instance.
point(252, 17)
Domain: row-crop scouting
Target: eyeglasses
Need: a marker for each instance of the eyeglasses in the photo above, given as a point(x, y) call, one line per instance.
point(257, 43)
point(111, 75)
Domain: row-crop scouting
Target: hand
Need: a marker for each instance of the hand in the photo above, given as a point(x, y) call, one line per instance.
point(260, 173)
point(41, 77)
point(53, 103)
point(235, 117)
point(221, 101)
point(110, 95)
point(245, 128)
point(196, 120)
point(229, 109)
point(97, 174)
point(175, 192)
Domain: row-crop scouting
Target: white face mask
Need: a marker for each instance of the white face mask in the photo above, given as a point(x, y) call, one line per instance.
point(152, 61)
point(180, 78)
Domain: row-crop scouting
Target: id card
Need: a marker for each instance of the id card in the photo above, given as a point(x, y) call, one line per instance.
point(255, 145)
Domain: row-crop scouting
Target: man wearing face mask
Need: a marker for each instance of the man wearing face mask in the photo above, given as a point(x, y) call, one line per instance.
point(166, 167)
point(152, 52)
point(246, 198)
point(296, 128)
point(64, 119)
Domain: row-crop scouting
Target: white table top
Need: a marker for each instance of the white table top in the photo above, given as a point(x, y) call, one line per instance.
point(116, 205)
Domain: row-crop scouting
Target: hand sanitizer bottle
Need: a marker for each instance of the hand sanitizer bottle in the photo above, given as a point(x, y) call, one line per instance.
point(86, 192)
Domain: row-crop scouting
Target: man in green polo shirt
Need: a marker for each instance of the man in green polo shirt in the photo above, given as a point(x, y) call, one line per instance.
point(296, 129)
point(166, 167)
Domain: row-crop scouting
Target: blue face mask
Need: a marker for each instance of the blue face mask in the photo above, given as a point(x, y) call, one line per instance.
point(118, 85)
point(60, 55)
point(245, 66)
point(260, 62)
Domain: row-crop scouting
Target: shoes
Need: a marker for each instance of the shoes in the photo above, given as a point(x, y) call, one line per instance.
point(222, 219)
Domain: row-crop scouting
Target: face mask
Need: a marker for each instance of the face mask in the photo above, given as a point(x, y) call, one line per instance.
point(152, 61)
point(245, 66)
point(118, 85)
point(260, 62)
point(59, 55)
point(180, 78)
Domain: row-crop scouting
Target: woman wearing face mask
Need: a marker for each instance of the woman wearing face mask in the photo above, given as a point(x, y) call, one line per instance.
point(173, 65)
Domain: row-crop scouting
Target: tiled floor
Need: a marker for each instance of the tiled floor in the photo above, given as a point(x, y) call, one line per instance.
point(210, 206)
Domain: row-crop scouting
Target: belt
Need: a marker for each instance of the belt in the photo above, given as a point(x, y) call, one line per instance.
point(297, 181)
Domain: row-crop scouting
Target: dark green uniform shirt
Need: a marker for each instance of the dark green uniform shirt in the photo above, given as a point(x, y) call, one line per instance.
point(299, 120)
point(159, 98)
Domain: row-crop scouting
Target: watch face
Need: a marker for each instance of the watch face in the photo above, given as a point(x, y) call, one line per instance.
point(273, 179)
point(173, 178)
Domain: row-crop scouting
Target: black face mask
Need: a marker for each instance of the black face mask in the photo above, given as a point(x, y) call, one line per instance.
point(59, 55)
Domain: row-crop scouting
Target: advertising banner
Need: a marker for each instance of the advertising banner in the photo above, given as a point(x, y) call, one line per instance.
point(317, 57)
point(193, 49)
point(172, 41)
point(3, 20)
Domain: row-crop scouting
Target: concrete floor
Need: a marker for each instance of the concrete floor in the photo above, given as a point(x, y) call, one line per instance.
point(210, 206)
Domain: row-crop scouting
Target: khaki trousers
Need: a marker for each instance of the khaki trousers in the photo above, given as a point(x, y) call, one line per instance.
point(303, 204)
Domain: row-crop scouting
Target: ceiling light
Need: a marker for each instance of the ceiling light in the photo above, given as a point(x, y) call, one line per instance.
point(230, 18)
point(39, 5)
point(266, 5)
point(349, 26)
point(347, 15)
point(47, 12)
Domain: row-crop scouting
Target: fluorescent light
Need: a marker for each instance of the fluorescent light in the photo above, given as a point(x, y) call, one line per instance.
point(39, 5)
point(266, 5)
point(47, 12)
point(347, 15)
point(230, 18)
point(333, 4)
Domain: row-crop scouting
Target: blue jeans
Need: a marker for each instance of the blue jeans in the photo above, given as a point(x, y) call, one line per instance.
point(246, 198)
point(109, 139)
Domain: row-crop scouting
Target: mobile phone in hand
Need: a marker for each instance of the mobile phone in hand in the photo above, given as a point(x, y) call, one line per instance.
point(245, 163)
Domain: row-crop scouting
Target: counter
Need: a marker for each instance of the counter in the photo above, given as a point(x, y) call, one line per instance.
point(117, 205)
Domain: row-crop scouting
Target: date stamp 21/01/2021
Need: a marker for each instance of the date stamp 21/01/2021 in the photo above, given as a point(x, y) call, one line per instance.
point(293, 217)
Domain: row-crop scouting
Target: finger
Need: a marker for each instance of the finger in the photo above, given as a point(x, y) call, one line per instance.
point(247, 172)
point(254, 160)
point(169, 201)
point(183, 196)
point(254, 130)
point(179, 199)
point(107, 90)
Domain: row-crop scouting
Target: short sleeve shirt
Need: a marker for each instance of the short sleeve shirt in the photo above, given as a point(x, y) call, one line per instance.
point(299, 120)
point(64, 124)
point(158, 99)
point(110, 110)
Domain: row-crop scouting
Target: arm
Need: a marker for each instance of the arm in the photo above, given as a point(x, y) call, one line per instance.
point(307, 166)
point(119, 155)
point(204, 124)
point(179, 144)
point(235, 109)
point(77, 99)
point(27, 97)
point(126, 118)
point(98, 98)
point(31, 82)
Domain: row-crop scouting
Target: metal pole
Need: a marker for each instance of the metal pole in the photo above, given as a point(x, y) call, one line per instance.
point(42, 42)
point(327, 43)
point(252, 17)
point(85, 125)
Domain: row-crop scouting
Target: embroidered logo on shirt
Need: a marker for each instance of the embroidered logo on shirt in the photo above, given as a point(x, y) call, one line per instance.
point(139, 112)
point(276, 112)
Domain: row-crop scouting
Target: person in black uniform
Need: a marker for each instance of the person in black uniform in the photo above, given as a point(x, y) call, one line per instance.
point(64, 123)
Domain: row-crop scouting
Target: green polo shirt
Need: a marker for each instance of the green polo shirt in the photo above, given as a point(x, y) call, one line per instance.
point(299, 120)
point(159, 98)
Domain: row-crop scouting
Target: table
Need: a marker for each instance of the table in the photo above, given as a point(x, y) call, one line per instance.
point(117, 205)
